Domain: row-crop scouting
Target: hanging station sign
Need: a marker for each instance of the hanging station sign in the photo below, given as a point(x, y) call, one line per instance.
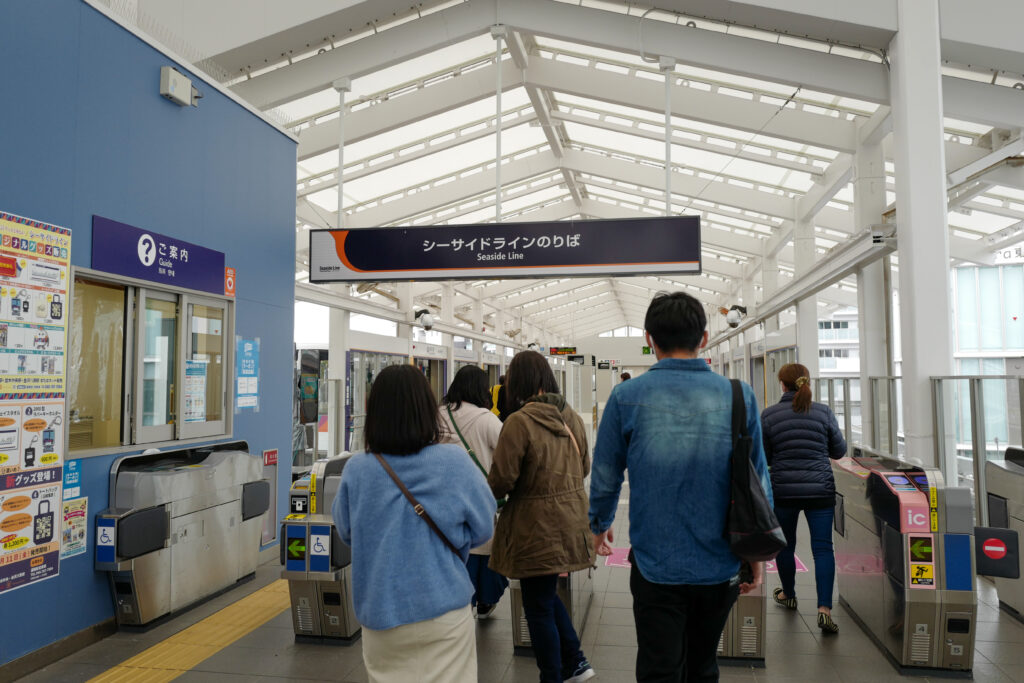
point(665, 245)
point(126, 250)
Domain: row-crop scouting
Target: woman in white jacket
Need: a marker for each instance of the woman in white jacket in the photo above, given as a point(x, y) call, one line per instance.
point(467, 420)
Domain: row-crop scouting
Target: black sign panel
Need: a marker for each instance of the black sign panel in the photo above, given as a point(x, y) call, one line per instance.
point(631, 246)
point(562, 350)
point(997, 552)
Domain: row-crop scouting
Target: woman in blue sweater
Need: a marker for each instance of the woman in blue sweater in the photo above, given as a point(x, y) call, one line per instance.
point(800, 440)
point(410, 587)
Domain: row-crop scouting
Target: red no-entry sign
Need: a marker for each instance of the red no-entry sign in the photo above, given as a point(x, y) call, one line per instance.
point(994, 548)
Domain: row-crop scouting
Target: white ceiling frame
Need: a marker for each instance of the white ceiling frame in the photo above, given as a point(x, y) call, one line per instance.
point(844, 76)
point(391, 158)
point(554, 131)
point(683, 141)
point(385, 116)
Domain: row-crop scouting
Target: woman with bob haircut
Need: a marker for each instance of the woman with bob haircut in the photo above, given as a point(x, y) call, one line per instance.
point(409, 585)
point(466, 420)
point(540, 463)
point(800, 440)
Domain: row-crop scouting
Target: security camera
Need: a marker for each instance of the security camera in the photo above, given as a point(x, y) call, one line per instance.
point(425, 319)
point(735, 315)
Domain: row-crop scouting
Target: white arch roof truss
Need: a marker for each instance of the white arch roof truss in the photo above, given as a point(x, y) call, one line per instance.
point(764, 128)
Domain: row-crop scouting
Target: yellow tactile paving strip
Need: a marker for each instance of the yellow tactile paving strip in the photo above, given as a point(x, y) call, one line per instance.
point(185, 649)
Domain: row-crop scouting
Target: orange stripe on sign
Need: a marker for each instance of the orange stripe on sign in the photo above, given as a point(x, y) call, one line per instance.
point(339, 247)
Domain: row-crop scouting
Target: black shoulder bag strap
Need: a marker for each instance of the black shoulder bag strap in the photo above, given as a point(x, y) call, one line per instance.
point(465, 444)
point(741, 441)
point(422, 513)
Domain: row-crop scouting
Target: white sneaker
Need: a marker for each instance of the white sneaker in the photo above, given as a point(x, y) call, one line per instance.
point(485, 613)
point(583, 672)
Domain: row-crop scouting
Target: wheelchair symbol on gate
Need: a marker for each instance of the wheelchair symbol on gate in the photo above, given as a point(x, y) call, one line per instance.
point(318, 547)
point(105, 538)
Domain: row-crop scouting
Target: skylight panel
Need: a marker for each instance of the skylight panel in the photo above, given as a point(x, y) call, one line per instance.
point(443, 163)
point(980, 221)
point(433, 126)
point(480, 47)
point(310, 105)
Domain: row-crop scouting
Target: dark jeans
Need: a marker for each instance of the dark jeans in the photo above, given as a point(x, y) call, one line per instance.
point(678, 628)
point(819, 521)
point(488, 584)
point(555, 643)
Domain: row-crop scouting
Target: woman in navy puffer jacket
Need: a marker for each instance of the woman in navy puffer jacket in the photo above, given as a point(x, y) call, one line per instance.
point(800, 438)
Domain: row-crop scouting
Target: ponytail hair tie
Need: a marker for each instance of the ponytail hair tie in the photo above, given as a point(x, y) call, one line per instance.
point(802, 381)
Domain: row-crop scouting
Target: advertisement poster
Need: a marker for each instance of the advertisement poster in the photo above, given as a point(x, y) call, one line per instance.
point(195, 391)
point(34, 266)
point(247, 372)
point(74, 529)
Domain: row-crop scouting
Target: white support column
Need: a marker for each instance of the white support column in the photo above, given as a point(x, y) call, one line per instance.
point(337, 374)
point(770, 285)
point(406, 307)
point(478, 315)
point(922, 230)
point(668, 65)
point(448, 316)
point(747, 292)
point(869, 202)
point(342, 85)
point(806, 309)
point(498, 33)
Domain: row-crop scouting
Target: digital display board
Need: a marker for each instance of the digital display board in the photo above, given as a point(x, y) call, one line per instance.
point(562, 350)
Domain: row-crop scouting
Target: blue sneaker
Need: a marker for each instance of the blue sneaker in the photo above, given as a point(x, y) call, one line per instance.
point(582, 672)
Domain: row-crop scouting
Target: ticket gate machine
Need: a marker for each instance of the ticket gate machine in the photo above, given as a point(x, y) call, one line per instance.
point(575, 589)
point(317, 565)
point(742, 640)
point(904, 559)
point(183, 525)
point(999, 544)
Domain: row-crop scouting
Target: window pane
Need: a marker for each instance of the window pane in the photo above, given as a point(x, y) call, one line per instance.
point(96, 366)
point(158, 371)
point(204, 373)
point(966, 310)
point(991, 317)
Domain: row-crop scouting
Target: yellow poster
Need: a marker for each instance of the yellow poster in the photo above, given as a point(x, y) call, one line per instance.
point(35, 261)
point(34, 266)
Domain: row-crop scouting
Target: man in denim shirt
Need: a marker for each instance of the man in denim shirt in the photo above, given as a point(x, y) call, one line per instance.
point(672, 429)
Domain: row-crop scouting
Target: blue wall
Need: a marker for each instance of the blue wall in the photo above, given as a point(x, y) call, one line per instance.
point(84, 131)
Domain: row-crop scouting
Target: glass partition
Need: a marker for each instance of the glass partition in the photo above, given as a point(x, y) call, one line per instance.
point(976, 418)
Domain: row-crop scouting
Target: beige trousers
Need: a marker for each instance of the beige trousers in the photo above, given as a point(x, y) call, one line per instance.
point(438, 650)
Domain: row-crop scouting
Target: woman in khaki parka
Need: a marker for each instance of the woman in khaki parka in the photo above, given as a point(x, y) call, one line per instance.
point(540, 462)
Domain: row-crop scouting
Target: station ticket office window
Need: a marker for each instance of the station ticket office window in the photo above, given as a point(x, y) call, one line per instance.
point(146, 366)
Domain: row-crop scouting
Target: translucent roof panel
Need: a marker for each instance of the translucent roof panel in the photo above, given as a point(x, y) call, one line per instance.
point(433, 126)
point(442, 164)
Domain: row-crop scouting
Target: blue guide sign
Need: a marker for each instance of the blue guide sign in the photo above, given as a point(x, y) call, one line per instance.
point(126, 250)
point(656, 245)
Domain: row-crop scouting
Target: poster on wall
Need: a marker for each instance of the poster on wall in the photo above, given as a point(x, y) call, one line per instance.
point(74, 527)
point(34, 267)
point(247, 373)
point(195, 391)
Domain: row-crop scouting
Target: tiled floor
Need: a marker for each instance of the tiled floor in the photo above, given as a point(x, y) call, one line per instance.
point(796, 650)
